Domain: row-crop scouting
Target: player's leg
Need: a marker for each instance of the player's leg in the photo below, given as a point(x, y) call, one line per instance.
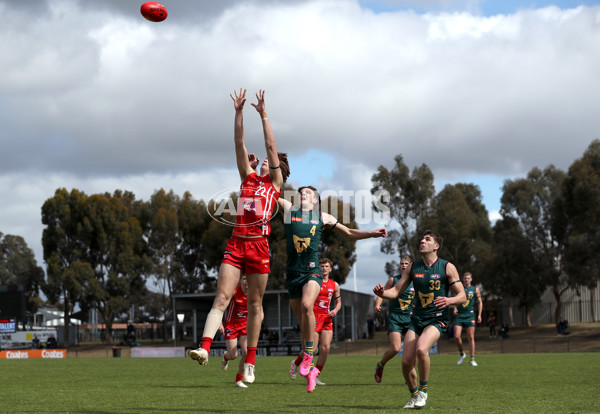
point(409, 359)
point(257, 282)
point(429, 336)
point(230, 353)
point(470, 331)
point(229, 277)
point(239, 376)
point(325, 337)
point(395, 345)
point(459, 343)
point(296, 305)
point(310, 291)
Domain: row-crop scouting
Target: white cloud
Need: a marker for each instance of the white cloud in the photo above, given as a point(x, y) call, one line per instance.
point(95, 97)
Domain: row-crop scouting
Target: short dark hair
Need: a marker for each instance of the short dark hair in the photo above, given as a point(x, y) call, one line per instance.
point(436, 238)
point(323, 260)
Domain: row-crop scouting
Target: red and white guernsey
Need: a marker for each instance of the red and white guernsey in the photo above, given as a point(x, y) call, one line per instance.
point(237, 311)
point(324, 299)
point(258, 199)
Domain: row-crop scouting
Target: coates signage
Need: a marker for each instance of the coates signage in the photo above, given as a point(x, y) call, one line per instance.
point(34, 353)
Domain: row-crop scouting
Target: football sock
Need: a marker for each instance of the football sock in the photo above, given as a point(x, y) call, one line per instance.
point(206, 343)
point(298, 360)
point(472, 357)
point(239, 377)
point(380, 364)
point(309, 348)
point(423, 386)
point(251, 356)
point(414, 391)
point(225, 356)
point(319, 367)
point(460, 352)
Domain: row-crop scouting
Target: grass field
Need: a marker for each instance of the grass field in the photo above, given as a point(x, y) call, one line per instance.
point(502, 383)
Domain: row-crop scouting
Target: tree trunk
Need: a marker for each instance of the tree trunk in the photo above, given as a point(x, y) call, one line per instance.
point(528, 317)
point(511, 320)
point(558, 298)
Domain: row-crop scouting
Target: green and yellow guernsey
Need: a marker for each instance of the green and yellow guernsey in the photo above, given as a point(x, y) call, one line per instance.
point(401, 307)
point(303, 234)
point(429, 283)
point(466, 310)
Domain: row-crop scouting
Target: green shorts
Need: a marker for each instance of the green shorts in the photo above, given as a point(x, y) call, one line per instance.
point(398, 323)
point(297, 280)
point(418, 325)
point(466, 321)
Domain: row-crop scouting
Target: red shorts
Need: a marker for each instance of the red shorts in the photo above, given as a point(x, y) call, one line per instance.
point(234, 330)
point(323, 323)
point(250, 255)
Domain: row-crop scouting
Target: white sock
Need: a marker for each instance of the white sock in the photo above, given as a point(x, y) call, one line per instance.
point(213, 321)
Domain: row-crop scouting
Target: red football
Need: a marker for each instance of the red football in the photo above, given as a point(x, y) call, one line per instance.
point(154, 11)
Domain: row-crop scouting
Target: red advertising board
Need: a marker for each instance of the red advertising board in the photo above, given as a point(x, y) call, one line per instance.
point(33, 353)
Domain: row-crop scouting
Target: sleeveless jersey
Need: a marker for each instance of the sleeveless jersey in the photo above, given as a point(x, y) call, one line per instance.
point(303, 234)
point(237, 311)
point(429, 282)
point(466, 309)
point(403, 304)
point(256, 203)
point(323, 301)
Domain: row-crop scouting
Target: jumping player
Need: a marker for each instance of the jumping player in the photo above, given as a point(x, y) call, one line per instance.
point(248, 249)
point(330, 289)
point(303, 229)
point(399, 316)
point(465, 317)
point(431, 277)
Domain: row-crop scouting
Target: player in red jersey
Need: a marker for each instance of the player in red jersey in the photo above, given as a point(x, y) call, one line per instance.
point(235, 329)
point(330, 289)
point(248, 249)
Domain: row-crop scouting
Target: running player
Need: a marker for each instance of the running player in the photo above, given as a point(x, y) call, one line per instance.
point(324, 319)
point(303, 229)
point(235, 329)
point(465, 317)
point(399, 315)
point(431, 277)
point(248, 249)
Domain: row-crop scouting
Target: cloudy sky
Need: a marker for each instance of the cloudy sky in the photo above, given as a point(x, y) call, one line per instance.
point(95, 97)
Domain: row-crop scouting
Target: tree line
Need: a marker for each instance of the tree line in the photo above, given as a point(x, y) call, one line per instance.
point(547, 237)
point(104, 250)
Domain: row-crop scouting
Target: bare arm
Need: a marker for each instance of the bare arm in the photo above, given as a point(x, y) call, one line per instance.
point(479, 304)
point(241, 154)
point(352, 234)
point(338, 301)
point(397, 289)
point(455, 286)
point(274, 172)
point(379, 300)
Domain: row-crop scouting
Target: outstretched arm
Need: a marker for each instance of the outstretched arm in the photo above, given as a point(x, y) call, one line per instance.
point(479, 304)
point(352, 234)
point(243, 159)
point(379, 300)
point(274, 170)
point(396, 290)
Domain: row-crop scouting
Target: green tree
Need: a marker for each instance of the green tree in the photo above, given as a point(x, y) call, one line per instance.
point(18, 267)
point(459, 215)
point(531, 201)
point(578, 218)
point(69, 274)
point(513, 269)
point(408, 198)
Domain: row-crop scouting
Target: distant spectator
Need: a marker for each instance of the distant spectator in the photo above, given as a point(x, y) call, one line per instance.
point(35, 342)
point(504, 331)
point(562, 326)
point(491, 321)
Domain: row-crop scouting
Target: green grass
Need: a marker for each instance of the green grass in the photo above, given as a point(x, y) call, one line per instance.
point(502, 383)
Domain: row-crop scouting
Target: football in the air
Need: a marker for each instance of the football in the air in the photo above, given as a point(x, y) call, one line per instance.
point(154, 11)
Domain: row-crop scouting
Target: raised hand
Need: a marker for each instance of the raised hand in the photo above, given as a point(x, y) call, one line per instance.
point(239, 99)
point(260, 106)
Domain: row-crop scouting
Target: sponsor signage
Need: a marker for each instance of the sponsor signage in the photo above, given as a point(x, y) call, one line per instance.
point(34, 353)
point(8, 325)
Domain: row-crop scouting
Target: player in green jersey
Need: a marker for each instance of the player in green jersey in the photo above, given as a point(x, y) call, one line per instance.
point(303, 229)
point(465, 317)
point(399, 315)
point(432, 277)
